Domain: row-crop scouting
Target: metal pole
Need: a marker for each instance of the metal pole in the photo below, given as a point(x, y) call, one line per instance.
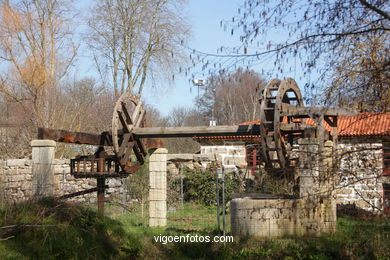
point(100, 186)
point(181, 187)
point(223, 200)
point(217, 198)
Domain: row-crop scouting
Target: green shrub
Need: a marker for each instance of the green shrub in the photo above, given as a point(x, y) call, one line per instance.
point(200, 186)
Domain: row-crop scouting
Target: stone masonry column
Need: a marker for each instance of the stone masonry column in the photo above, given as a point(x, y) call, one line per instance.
point(158, 188)
point(43, 152)
point(309, 184)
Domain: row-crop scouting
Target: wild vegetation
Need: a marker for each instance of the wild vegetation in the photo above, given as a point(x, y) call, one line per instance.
point(49, 229)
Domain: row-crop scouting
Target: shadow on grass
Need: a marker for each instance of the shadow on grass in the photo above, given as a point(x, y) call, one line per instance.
point(50, 229)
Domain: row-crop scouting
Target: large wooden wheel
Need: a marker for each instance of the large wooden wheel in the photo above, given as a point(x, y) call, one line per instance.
point(273, 96)
point(128, 113)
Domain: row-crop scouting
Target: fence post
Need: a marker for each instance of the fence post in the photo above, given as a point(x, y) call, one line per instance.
point(43, 152)
point(217, 198)
point(158, 188)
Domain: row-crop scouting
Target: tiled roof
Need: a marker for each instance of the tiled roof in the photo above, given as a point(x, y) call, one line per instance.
point(364, 124)
point(368, 124)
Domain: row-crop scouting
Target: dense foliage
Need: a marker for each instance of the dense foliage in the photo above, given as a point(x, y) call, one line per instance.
point(200, 186)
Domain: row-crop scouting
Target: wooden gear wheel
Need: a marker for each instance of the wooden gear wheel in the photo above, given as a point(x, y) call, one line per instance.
point(275, 143)
point(128, 113)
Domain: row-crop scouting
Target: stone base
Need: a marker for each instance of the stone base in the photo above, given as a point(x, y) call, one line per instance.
point(281, 217)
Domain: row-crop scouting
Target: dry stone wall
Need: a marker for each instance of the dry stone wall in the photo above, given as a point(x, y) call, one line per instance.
point(360, 177)
point(230, 154)
point(17, 182)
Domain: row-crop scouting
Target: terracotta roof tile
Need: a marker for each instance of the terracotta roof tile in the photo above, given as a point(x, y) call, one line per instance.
point(364, 124)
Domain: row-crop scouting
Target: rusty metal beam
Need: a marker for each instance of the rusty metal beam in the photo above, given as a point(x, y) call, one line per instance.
point(79, 193)
point(75, 137)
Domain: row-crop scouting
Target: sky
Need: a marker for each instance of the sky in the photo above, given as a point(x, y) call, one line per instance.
point(204, 17)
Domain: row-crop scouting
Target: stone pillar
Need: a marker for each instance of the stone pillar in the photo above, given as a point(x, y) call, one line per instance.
point(43, 152)
point(308, 167)
point(158, 188)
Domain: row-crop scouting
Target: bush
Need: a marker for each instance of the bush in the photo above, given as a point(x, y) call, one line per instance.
point(200, 186)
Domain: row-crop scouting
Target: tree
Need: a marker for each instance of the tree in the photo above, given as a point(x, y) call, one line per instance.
point(231, 98)
point(320, 36)
point(36, 51)
point(134, 40)
point(362, 79)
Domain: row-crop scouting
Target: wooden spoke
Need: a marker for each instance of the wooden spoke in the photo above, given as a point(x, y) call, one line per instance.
point(128, 114)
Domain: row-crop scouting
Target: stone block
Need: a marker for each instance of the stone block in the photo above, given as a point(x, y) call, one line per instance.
point(159, 151)
point(157, 209)
point(204, 157)
point(344, 191)
point(43, 143)
point(158, 182)
point(16, 162)
point(158, 195)
point(43, 179)
point(157, 166)
point(43, 155)
point(13, 184)
point(16, 178)
point(257, 228)
point(179, 157)
point(114, 182)
point(59, 161)
point(281, 227)
point(237, 161)
point(159, 174)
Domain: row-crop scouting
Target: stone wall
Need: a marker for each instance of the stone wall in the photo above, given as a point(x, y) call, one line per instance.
point(189, 161)
point(230, 154)
point(16, 180)
point(360, 176)
point(281, 217)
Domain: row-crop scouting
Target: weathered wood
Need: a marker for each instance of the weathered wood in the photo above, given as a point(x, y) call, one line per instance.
point(291, 110)
point(197, 131)
point(294, 127)
point(149, 132)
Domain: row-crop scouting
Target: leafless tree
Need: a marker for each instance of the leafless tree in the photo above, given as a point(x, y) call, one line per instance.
point(231, 98)
point(136, 41)
point(37, 50)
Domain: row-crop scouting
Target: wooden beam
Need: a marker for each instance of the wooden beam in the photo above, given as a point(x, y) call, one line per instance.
point(291, 110)
point(148, 132)
point(295, 127)
point(197, 131)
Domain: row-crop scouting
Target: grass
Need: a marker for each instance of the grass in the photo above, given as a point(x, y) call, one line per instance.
point(49, 229)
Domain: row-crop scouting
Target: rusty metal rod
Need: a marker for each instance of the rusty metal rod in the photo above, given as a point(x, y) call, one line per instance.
point(79, 193)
